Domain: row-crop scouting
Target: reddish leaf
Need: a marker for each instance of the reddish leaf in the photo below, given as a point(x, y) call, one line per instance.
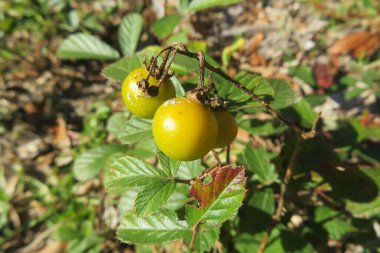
point(323, 75)
point(219, 194)
point(221, 178)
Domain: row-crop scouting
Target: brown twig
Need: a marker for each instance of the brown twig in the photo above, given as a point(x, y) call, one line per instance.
point(284, 185)
point(216, 156)
point(194, 236)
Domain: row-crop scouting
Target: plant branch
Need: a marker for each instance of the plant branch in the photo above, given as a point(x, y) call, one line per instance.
point(194, 236)
point(216, 156)
point(284, 185)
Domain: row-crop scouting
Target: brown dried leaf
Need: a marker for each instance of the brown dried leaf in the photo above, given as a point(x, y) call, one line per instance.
point(369, 47)
point(323, 75)
point(350, 42)
point(61, 134)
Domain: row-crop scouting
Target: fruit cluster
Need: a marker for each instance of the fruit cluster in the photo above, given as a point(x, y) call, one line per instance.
point(183, 127)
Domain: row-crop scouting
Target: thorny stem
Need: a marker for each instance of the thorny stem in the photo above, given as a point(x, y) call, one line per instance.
point(194, 236)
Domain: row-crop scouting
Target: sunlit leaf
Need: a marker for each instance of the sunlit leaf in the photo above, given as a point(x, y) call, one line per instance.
point(197, 5)
point(159, 227)
point(129, 33)
point(90, 163)
point(86, 46)
point(219, 199)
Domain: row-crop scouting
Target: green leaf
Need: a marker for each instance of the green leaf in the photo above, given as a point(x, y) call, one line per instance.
point(280, 240)
point(90, 163)
point(128, 172)
point(257, 160)
point(367, 209)
point(306, 113)
point(205, 240)
point(229, 50)
point(119, 70)
point(191, 169)
point(263, 199)
point(179, 197)
point(333, 223)
point(162, 226)
point(262, 128)
point(257, 84)
point(135, 130)
point(179, 90)
point(86, 46)
point(154, 196)
point(169, 165)
point(219, 199)
point(116, 122)
point(305, 73)
point(165, 26)
point(285, 95)
point(129, 33)
point(197, 5)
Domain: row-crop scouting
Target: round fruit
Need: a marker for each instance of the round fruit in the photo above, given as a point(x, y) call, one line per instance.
point(184, 129)
point(227, 128)
point(137, 101)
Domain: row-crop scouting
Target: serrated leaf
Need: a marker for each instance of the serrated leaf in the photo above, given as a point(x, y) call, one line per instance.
point(169, 165)
point(262, 128)
point(257, 160)
point(161, 226)
point(116, 122)
point(154, 196)
point(86, 46)
point(128, 172)
point(263, 199)
point(219, 199)
point(257, 84)
point(190, 169)
point(179, 197)
point(118, 70)
point(197, 5)
point(165, 26)
point(285, 96)
point(135, 130)
point(129, 33)
point(90, 163)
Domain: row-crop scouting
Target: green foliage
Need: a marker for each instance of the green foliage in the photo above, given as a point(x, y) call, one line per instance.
point(86, 46)
point(89, 163)
point(197, 5)
point(162, 226)
point(219, 199)
point(129, 33)
point(164, 26)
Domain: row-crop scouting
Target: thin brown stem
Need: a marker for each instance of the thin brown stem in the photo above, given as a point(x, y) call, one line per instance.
point(182, 181)
point(247, 91)
point(194, 236)
point(201, 58)
point(228, 154)
point(164, 60)
point(216, 156)
point(277, 215)
point(166, 72)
